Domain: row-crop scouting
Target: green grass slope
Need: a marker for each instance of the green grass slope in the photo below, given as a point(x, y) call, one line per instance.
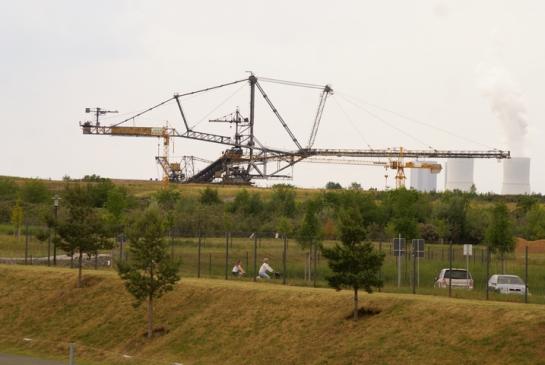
point(230, 322)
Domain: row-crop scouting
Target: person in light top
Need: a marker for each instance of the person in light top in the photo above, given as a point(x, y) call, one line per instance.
point(265, 269)
point(238, 270)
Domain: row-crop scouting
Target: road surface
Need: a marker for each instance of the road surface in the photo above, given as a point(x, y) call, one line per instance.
point(6, 359)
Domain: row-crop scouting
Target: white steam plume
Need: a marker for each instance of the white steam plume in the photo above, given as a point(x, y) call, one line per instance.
point(506, 101)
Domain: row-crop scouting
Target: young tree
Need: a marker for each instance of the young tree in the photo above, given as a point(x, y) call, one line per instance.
point(499, 234)
point(150, 272)
point(331, 185)
point(35, 191)
point(167, 200)
point(209, 196)
point(354, 263)
point(535, 223)
point(17, 216)
point(82, 230)
point(309, 235)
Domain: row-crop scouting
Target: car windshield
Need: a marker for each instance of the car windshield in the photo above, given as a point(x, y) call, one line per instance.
point(510, 280)
point(457, 274)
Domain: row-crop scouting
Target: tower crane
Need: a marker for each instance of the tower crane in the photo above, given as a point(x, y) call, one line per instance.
point(247, 158)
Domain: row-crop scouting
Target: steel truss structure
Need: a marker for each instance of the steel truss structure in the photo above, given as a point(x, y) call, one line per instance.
point(247, 159)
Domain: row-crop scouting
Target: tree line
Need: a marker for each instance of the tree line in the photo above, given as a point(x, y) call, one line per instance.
point(95, 212)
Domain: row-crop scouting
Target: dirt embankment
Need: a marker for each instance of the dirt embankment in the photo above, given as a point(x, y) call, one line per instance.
point(233, 322)
point(533, 246)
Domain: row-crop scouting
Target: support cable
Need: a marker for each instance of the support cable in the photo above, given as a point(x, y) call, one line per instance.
point(414, 120)
point(275, 111)
point(291, 83)
point(382, 120)
point(218, 106)
point(352, 123)
point(143, 112)
point(210, 88)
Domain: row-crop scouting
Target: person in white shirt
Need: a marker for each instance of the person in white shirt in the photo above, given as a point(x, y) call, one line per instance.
point(238, 270)
point(265, 269)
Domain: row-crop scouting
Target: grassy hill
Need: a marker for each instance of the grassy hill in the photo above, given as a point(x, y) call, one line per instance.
point(144, 188)
point(229, 322)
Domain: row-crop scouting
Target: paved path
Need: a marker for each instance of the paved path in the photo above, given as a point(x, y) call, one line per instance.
point(6, 359)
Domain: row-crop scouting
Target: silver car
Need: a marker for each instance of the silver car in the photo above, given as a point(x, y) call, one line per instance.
point(461, 278)
point(507, 284)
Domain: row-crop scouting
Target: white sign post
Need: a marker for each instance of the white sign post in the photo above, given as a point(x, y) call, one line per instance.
point(468, 251)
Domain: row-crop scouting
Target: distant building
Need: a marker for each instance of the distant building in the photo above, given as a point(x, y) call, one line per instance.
point(459, 174)
point(516, 176)
point(423, 180)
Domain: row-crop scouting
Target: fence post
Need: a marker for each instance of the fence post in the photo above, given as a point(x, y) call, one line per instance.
point(380, 270)
point(71, 354)
point(526, 274)
point(247, 261)
point(255, 256)
point(49, 249)
point(487, 270)
point(315, 274)
point(450, 270)
point(26, 242)
point(414, 269)
point(284, 258)
point(226, 254)
point(199, 256)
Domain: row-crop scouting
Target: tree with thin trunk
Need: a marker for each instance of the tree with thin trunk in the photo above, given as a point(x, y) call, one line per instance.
point(17, 216)
point(149, 272)
point(499, 234)
point(354, 263)
point(310, 233)
point(82, 230)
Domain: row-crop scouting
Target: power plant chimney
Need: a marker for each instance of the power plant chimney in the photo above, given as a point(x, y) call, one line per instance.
point(516, 176)
point(459, 174)
point(423, 179)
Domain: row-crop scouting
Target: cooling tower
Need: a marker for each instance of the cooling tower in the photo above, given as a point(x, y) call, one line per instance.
point(423, 180)
point(516, 176)
point(459, 174)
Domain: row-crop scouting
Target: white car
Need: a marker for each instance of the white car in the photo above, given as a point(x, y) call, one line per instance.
point(507, 284)
point(461, 278)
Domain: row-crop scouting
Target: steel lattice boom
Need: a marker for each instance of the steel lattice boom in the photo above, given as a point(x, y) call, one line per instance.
point(248, 159)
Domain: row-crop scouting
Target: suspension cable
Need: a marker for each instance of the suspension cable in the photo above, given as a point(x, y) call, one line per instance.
point(143, 112)
point(352, 123)
point(210, 88)
point(291, 83)
point(218, 106)
point(414, 120)
point(382, 120)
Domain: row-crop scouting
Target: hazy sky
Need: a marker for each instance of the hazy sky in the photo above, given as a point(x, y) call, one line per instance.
point(474, 68)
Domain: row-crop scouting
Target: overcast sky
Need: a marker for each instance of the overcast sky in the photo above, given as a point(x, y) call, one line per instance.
point(473, 68)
